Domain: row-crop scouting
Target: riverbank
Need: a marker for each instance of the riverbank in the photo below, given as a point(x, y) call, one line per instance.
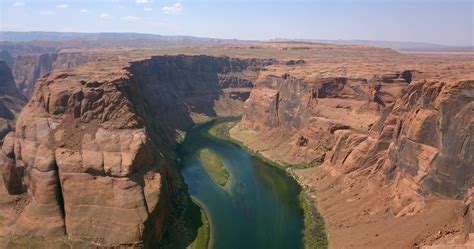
point(357, 210)
point(261, 206)
point(314, 227)
point(203, 236)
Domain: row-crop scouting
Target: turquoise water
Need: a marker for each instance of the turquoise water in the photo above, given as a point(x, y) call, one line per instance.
point(259, 206)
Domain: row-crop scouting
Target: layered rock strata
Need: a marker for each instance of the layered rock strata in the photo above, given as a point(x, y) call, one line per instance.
point(180, 89)
point(93, 151)
point(27, 69)
point(407, 128)
point(82, 153)
point(301, 116)
point(408, 132)
point(424, 145)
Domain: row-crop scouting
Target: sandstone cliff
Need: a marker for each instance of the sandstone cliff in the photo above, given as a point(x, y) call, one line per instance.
point(397, 123)
point(30, 67)
point(93, 147)
point(85, 158)
point(23, 71)
point(110, 125)
point(394, 141)
point(181, 89)
point(424, 146)
point(414, 167)
point(300, 116)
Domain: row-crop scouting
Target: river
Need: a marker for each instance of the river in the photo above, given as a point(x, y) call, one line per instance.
point(259, 206)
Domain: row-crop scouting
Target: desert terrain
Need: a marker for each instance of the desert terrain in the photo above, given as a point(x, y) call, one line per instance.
point(381, 141)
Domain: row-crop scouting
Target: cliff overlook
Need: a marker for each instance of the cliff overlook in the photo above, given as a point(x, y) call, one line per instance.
point(112, 127)
point(385, 134)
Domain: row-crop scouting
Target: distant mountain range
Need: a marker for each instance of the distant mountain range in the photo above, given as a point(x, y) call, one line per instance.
point(14, 36)
point(397, 45)
point(37, 36)
point(18, 43)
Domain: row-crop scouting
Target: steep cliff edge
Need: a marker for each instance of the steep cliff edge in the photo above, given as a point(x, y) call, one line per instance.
point(407, 174)
point(300, 116)
point(18, 76)
point(27, 69)
point(11, 100)
point(83, 154)
point(395, 147)
point(424, 146)
point(181, 90)
point(81, 151)
point(92, 148)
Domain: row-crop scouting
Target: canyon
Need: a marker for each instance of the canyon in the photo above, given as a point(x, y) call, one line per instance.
point(103, 129)
point(394, 145)
point(381, 140)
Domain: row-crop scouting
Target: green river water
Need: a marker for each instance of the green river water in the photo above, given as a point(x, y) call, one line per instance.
point(257, 209)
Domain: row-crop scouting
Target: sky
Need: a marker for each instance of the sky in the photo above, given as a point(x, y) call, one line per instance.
point(448, 22)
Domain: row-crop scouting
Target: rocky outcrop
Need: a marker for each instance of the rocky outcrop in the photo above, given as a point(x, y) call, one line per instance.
point(294, 62)
point(93, 152)
point(194, 85)
point(237, 86)
point(432, 149)
point(417, 134)
point(282, 109)
point(18, 76)
point(395, 141)
point(29, 68)
point(424, 146)
point(86, 160)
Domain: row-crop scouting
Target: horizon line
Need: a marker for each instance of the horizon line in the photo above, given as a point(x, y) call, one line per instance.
point(244, 40)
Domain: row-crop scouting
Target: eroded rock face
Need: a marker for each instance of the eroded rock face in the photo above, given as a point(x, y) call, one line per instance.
point(18, 76)
point(92, 151)
point(82, 153)
point(432, 150)
point(284, 108)
point(29, 68)
point(424, 146)
point(395, 139)
point(417, 135)
point(203, 85)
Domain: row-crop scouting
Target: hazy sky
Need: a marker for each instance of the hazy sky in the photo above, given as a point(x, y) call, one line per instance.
point(448, 22)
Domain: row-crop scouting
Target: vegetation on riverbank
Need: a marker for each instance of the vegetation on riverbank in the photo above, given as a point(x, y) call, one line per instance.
point(214, 166)
point(184, 218)
point(220, 130)
point(314, 233)
point(204, 231)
